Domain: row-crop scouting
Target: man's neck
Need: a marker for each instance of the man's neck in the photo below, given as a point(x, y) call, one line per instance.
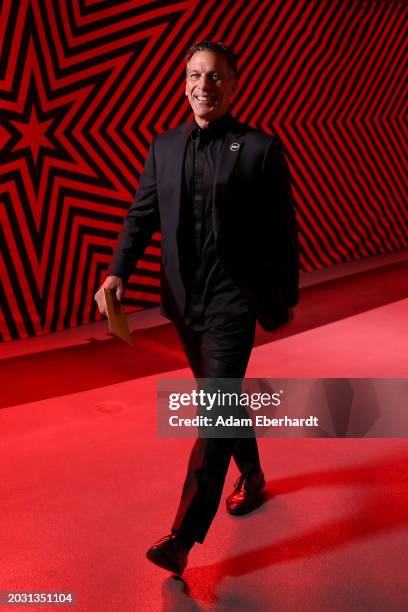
point(202, 123)
point(205, 123)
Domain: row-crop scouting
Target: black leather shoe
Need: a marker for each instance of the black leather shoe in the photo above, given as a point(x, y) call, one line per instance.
point(170, 554)
point(247, 494)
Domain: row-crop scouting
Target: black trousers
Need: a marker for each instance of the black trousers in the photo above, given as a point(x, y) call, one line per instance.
point(222, 351)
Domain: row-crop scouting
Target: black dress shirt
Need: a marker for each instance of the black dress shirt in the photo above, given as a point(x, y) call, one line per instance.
point(211, 297)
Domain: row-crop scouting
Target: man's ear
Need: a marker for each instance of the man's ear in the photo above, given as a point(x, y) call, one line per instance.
point(234, 88)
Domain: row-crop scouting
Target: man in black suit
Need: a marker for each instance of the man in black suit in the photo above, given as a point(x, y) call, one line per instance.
point(220, 193)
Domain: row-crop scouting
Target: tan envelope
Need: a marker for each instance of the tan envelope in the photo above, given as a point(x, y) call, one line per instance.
point(118, 323)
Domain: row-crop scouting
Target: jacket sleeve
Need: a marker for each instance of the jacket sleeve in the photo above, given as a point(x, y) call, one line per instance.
point(281, 219)
point(140, 223)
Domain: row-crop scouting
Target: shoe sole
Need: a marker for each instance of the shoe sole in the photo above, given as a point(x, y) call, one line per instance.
point(158, 558)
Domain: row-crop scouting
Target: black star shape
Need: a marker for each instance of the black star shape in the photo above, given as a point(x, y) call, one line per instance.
point(33, 135)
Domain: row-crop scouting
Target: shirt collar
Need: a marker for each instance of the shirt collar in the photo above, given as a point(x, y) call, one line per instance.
point(218, 127)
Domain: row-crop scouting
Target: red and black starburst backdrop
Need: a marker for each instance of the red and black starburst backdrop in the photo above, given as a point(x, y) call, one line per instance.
point(85, 84)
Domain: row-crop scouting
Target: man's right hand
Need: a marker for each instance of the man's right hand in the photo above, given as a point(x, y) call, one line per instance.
point(114, 284)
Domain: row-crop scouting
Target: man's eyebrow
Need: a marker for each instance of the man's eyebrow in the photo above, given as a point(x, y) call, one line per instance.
point(199, 69)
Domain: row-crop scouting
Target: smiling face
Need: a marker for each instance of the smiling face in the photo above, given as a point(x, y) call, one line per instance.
point(210, 86)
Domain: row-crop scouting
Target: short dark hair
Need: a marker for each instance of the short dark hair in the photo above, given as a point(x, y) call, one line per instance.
point(215, 47)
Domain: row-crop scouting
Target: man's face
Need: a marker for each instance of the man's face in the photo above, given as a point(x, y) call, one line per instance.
point(210, 86)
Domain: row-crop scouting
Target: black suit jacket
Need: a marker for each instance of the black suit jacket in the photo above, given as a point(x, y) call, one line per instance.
point(253, 213)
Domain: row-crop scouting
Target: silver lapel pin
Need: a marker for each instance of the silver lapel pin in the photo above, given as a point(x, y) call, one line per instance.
point(235, 146)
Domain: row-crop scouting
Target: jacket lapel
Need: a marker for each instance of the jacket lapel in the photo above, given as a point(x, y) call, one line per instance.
point(232, 149)
point(231, 152)
point(176, 161)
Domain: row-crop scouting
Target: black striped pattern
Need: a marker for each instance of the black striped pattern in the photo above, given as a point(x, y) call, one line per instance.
point(85, 84)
